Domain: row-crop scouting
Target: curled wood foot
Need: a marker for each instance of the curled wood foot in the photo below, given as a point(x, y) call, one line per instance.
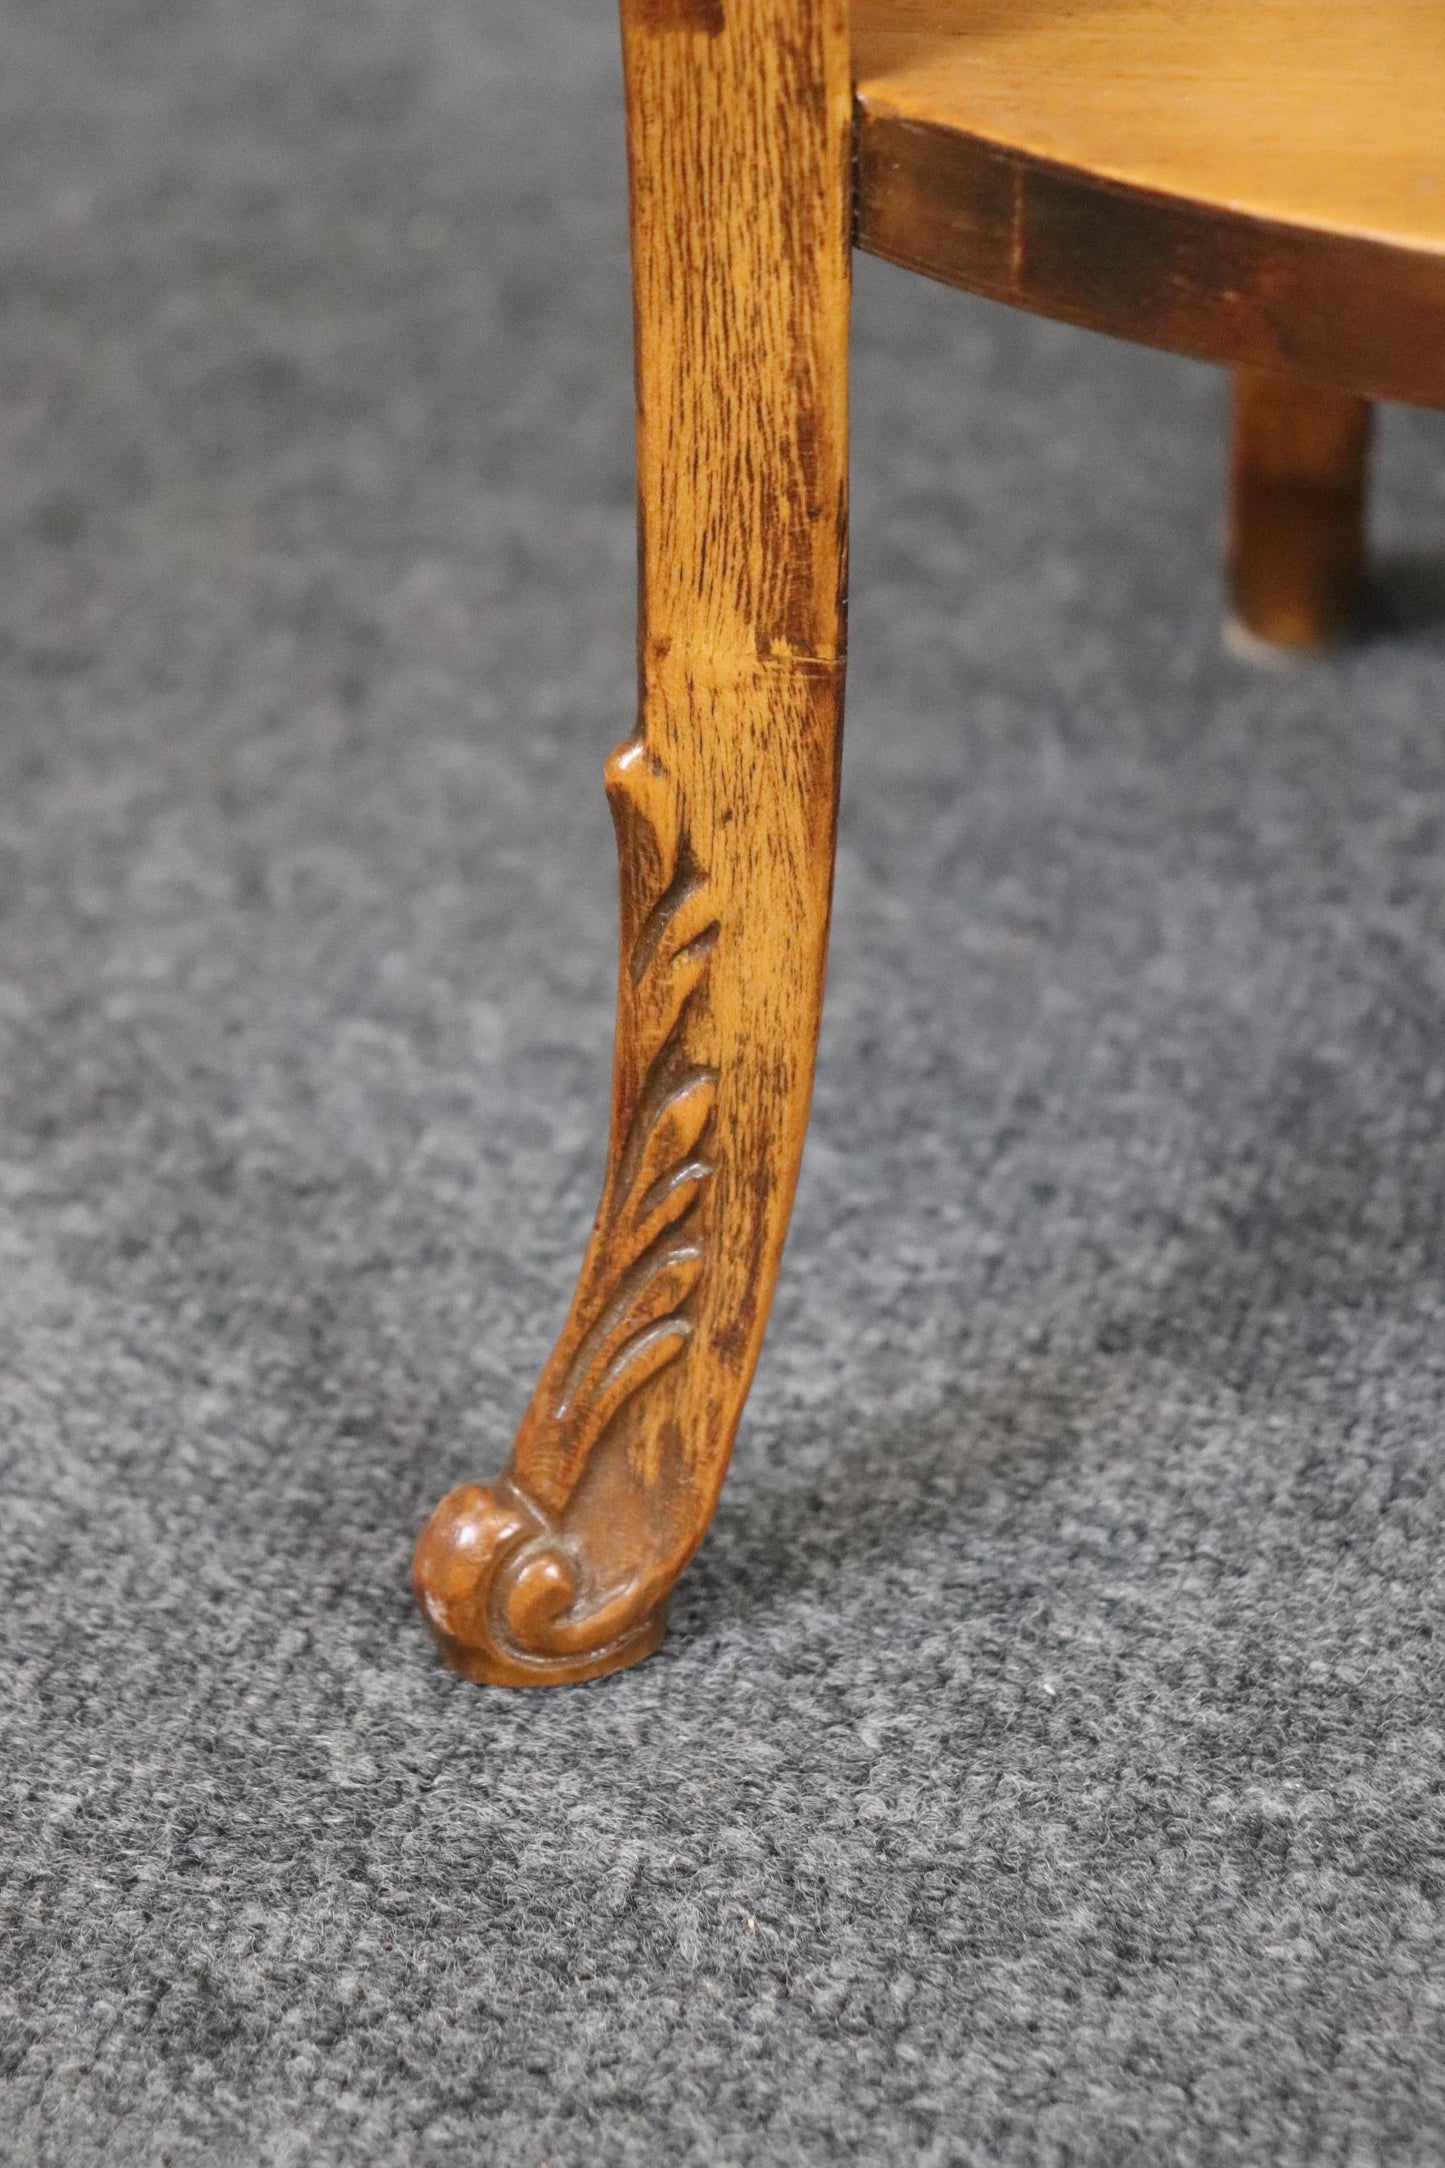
point(509, 1600)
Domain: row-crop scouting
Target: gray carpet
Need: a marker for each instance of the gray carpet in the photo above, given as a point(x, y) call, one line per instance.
point(1045, 1765)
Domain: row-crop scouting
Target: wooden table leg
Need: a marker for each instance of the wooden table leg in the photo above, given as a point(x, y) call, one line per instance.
point(1298, 472)
point(725, 804)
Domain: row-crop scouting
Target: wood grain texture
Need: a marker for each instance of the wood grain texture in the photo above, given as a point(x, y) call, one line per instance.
point(725, 804)
point(1299, 457)
point(1253, 181)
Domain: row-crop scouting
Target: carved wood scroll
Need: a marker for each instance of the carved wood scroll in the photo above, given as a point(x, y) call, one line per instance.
point(725, 804)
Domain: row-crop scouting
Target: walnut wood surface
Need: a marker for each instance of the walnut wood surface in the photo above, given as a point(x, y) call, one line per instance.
point(1298, 468)
point(725, 804)
point(1254, 181)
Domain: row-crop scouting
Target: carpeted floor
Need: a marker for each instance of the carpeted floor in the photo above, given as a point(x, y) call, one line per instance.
point(1045, 1765)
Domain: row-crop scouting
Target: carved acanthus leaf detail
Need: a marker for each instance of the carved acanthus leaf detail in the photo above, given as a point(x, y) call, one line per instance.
point(503, 1587)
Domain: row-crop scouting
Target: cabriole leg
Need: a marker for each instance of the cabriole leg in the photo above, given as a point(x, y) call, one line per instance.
point(725, 803)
